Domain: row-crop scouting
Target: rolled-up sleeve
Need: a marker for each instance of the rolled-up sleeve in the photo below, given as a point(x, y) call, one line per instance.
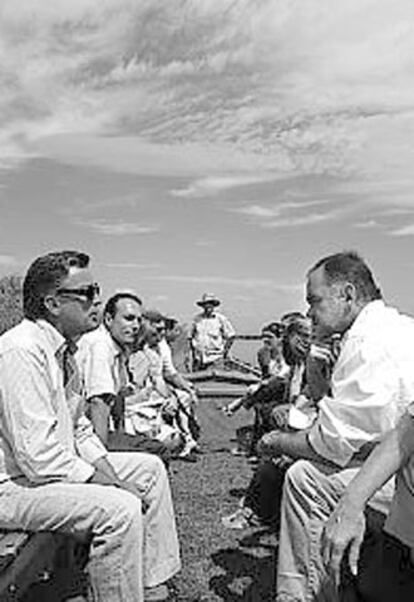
point(95, 363)
point(30, 421)
point(88, 444)
point(365, 404)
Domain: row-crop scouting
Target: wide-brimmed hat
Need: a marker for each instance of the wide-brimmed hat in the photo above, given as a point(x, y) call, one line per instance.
point(208, 298)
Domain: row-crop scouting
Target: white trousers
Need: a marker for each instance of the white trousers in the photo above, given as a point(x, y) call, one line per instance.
point(129, 550)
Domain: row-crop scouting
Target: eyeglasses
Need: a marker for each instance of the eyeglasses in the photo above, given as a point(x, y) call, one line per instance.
point(89, 292)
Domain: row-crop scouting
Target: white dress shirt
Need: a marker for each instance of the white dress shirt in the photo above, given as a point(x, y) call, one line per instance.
point(102, 363)
point(44, 433)
point(372, 383)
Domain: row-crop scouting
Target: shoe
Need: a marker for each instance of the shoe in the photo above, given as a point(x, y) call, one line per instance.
point(188, 454)
point(243, 518)
point(157, 593)
point(237, 452)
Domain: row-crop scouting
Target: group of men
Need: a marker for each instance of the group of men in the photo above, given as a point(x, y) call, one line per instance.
point(367, 415)
point(57, 474)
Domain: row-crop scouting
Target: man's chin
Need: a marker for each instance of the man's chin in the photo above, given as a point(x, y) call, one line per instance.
point(92, 324)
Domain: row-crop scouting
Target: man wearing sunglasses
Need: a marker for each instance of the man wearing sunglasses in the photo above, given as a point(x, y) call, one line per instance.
point(54, 471)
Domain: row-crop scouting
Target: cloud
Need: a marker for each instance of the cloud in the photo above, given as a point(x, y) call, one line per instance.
point(210, 88)
point(407, 230)
point(8, 260)
point(368, 224)
point(112, 228)
point(243, 283)
point(130, 265)
point(213, 185)
point(288, 214)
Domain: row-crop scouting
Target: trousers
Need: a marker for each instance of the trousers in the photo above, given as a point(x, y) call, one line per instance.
point(129, 550)
point(310, 493)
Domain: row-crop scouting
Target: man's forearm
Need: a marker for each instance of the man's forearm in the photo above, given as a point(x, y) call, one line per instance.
point(99, 416)
point(384, 461)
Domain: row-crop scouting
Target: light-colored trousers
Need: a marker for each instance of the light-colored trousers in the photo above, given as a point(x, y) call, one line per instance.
point(310, 493)
point(129, 549)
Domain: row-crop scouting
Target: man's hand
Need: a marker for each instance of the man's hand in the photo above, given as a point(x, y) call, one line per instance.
point(343, 532)
point(105, 475)
point(269, 445)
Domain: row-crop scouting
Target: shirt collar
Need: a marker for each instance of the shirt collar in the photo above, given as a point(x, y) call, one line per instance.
point(368, 314)
point(55, 339)
point(116, 347)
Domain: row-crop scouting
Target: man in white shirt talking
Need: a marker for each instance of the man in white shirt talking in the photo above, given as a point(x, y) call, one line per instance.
point(372, 383)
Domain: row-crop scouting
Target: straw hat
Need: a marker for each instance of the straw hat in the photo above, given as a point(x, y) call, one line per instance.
point(208, 298)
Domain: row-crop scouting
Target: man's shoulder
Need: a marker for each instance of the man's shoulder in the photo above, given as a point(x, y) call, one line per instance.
point(27, 335)
point(100, 337)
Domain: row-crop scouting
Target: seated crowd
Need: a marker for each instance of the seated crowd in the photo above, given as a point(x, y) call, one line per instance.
point(93, 410)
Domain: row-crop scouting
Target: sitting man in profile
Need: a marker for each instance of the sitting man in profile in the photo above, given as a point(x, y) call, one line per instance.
point(372, 383)
point(103, 361)
point(178, 385)
point(211, 336)
point(55, 473)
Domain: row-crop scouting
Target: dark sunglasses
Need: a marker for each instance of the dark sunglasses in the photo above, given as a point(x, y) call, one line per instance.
point(90, 292)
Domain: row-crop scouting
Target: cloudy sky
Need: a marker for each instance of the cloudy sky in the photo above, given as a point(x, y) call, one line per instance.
point(209, 145)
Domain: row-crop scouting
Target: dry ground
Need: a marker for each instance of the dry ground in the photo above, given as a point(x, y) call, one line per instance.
point(218, 565)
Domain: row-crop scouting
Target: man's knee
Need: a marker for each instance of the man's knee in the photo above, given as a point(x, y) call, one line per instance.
point(122, 511)
point(299, 475)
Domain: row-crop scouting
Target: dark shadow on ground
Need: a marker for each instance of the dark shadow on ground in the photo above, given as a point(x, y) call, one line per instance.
point(248, 577)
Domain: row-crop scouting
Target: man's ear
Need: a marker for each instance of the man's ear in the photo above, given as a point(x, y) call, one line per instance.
point(349, 292)
point(107, 320)
point(52, 304)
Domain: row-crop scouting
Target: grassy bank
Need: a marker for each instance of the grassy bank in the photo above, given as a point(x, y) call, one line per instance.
point(218, 565)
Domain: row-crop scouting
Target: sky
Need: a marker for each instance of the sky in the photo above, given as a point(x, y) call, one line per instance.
point(218, 146)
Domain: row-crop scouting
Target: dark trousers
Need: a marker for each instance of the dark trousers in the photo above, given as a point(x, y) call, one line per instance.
point(264, 492)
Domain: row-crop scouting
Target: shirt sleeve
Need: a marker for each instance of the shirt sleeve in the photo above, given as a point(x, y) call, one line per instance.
point(227, 328)
point(30, 421)
point(88, 444)
point(95, 365)
point(364, 404)
point(168, 367)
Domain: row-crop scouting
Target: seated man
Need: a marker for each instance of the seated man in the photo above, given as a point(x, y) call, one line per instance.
point(211, 334)
point(150, 407)
point(388, 572)
point(54, 471)
point(182, 389)
point(103, 357)
point(372, 381)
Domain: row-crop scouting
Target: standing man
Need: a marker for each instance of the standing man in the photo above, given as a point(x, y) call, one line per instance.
point(212, 334)
point(372, 382)
point(54, 471)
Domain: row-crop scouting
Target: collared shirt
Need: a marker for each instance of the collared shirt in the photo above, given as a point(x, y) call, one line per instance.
point(44, 435)
point(372, 383)
point(102, 363)
point(209, 335)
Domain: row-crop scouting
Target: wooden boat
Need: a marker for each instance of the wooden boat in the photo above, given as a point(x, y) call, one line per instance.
point(228, 380)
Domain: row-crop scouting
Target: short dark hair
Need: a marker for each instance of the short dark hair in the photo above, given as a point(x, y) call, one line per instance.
point(349, 266)
point(44, 276)
point(275, 328)
point(110, 305)
point(153, 316)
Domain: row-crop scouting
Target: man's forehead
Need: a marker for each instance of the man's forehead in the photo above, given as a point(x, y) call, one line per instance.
point(128, 306)
point(78, 277)
point(316, 279)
